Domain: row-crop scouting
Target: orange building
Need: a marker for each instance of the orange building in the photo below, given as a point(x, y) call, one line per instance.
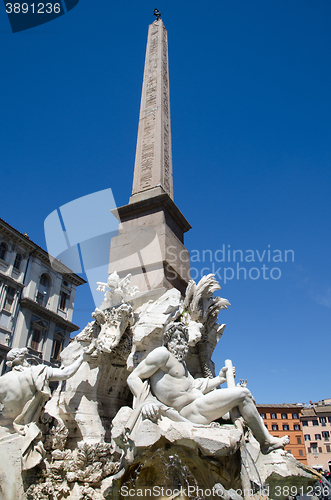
point(282, 419)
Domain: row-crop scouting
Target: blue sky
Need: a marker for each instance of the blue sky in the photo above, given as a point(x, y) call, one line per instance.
point(250, 107)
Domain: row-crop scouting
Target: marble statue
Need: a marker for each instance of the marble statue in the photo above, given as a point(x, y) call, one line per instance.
point(196, 400)
point(119, 290)
point(113, 322)
point(23, 393)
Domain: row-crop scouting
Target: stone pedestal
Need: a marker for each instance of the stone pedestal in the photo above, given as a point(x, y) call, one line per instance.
point(150, 246)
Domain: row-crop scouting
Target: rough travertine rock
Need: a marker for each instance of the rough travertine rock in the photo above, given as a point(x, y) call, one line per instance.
point(213, 441)
point(281, 469)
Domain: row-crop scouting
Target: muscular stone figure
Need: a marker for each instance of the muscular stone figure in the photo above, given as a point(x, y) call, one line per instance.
point(25, 388)
point(23, 393)
point(196, 400)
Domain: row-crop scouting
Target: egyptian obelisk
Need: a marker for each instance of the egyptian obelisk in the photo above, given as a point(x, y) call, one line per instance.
point(150, 243)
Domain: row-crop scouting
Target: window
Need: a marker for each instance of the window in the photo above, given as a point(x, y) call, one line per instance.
point(57, 348)
point(307, 437)
point(301, 453)
point(266, 426)
point(304, 423)
point(43, 289)
point(38, 332)
point(3, 250)
point(329, 419)
point(295, 415)
point(313, 447)
point(44, 281)
point(284, 415)
point(18, 260)
point(273, 415)
point(57, 345)
point(298, 440)
point(286, 427)
point(327, 448)
point(315, 422)
point(288, 451)
point(263, 415)
point(10, 295)
point(323, 421)
point(296, 427)
point(274, 427)
point(63, 301)
point(318, 437)
point(36, 339)
point(326, 435)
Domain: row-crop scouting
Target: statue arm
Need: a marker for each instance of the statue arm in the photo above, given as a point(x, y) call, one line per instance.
point(66, 372)
point(150, 365)
point(206, 385)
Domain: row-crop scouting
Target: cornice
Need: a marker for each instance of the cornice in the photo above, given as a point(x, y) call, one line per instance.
point(155, 203)
point(11, 280)
point(36, 250)
point(47, 314)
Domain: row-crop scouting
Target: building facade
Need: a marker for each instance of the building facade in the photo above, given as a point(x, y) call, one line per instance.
point(284, 419)
point(36, 299)
point(316, 427)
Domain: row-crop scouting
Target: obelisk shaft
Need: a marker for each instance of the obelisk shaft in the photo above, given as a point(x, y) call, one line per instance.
point(153, 163)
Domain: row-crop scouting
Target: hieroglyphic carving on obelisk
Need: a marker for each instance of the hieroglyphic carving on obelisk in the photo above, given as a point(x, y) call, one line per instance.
point(153, 163)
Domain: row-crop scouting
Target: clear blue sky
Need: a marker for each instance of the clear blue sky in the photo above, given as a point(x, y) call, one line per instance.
point(250, 107)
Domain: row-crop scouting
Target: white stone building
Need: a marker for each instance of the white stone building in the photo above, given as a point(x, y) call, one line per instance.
point(36, 299)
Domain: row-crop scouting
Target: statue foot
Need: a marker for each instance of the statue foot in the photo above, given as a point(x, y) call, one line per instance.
point(274, 444)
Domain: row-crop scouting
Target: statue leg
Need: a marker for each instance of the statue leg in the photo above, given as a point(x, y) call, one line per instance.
point(250, 414)
point(216, 403)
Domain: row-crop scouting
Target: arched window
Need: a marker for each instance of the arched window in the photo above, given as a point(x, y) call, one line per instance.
point(3, 250)
point(43, 290)
point(18, 260)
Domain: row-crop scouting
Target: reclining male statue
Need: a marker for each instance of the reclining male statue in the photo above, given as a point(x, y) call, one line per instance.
point(194, 400)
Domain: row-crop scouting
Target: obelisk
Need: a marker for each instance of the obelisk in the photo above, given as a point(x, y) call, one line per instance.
point(153, 164)
point(150, 243)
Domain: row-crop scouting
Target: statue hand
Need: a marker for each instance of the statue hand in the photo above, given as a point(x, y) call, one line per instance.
point(151, 410)
point(222, 373)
